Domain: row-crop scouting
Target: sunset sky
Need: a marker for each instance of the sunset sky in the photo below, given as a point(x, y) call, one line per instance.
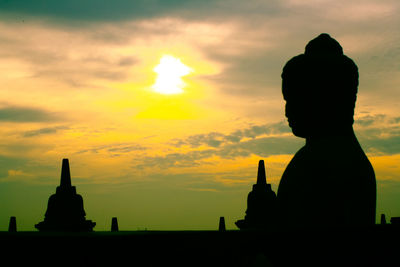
point(164, 108)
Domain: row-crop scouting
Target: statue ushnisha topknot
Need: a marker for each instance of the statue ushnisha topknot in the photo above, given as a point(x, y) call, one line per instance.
point(323, 45)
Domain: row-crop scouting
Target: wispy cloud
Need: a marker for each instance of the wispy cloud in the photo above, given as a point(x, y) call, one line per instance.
point(262, 147)
point(92, 10)
point(25, 114)
point(116, 149)
point(74, 58)
point(379, 134)
point(44, 131)
point(269, 140)
point(215, 139)
point(261, 140)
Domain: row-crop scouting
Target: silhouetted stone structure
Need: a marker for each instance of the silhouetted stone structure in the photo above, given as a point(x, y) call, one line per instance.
point(114, 224)
point(12, 227)
point(221, 226)
point(395, 220)
point(330, 180)
point(383, 219)
point(65, 208)
point(261, 204)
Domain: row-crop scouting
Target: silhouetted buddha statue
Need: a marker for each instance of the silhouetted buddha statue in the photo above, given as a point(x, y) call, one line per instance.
point(261, 204)
point(65, 208)
point(329, 181)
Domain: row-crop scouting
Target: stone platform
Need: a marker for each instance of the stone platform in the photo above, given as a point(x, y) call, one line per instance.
point(368, 246)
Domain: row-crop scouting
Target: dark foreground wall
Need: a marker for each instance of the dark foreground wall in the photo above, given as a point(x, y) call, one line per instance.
point(373, 246)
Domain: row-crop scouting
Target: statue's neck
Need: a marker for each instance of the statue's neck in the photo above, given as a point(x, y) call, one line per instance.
point(345, 133)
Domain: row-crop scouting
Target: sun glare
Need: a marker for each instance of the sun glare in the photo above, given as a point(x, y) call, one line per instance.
point(169, 75)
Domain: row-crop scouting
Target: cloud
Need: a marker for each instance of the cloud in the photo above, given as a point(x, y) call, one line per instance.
point(261, 140)
point(115, 149)
point(369, 120)
point(127, 61)
point(215, 139)
point(126, 148)
point(262, 147)
point(89, 10)
point(25, 114)
point(42, 131)
point(395, 120)
point(378, 134)
point(102, 10)
point(382, 146)
point(17, 175)
point(75, 11)
point(9, 165)
point(212, 139)
point(73, 57)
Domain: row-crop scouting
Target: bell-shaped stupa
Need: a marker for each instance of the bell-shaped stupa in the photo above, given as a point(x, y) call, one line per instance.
point(261, 204)
point(65, 208)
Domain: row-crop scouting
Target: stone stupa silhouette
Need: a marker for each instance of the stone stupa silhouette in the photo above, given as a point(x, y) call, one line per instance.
point(261, 204)
point(65, 208)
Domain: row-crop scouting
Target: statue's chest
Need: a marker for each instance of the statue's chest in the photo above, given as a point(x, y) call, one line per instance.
point(301, 175)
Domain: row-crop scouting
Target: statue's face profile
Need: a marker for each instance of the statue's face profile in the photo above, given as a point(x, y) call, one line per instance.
point(299, 116)
point(292, 117)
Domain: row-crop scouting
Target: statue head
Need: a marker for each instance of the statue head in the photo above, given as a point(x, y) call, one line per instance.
point(320, 89)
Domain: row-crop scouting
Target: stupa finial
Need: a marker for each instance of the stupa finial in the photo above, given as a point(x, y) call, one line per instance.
point(261, 178)
point(65, 175)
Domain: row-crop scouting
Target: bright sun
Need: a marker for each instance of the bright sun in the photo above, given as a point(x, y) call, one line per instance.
point(170, 70)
